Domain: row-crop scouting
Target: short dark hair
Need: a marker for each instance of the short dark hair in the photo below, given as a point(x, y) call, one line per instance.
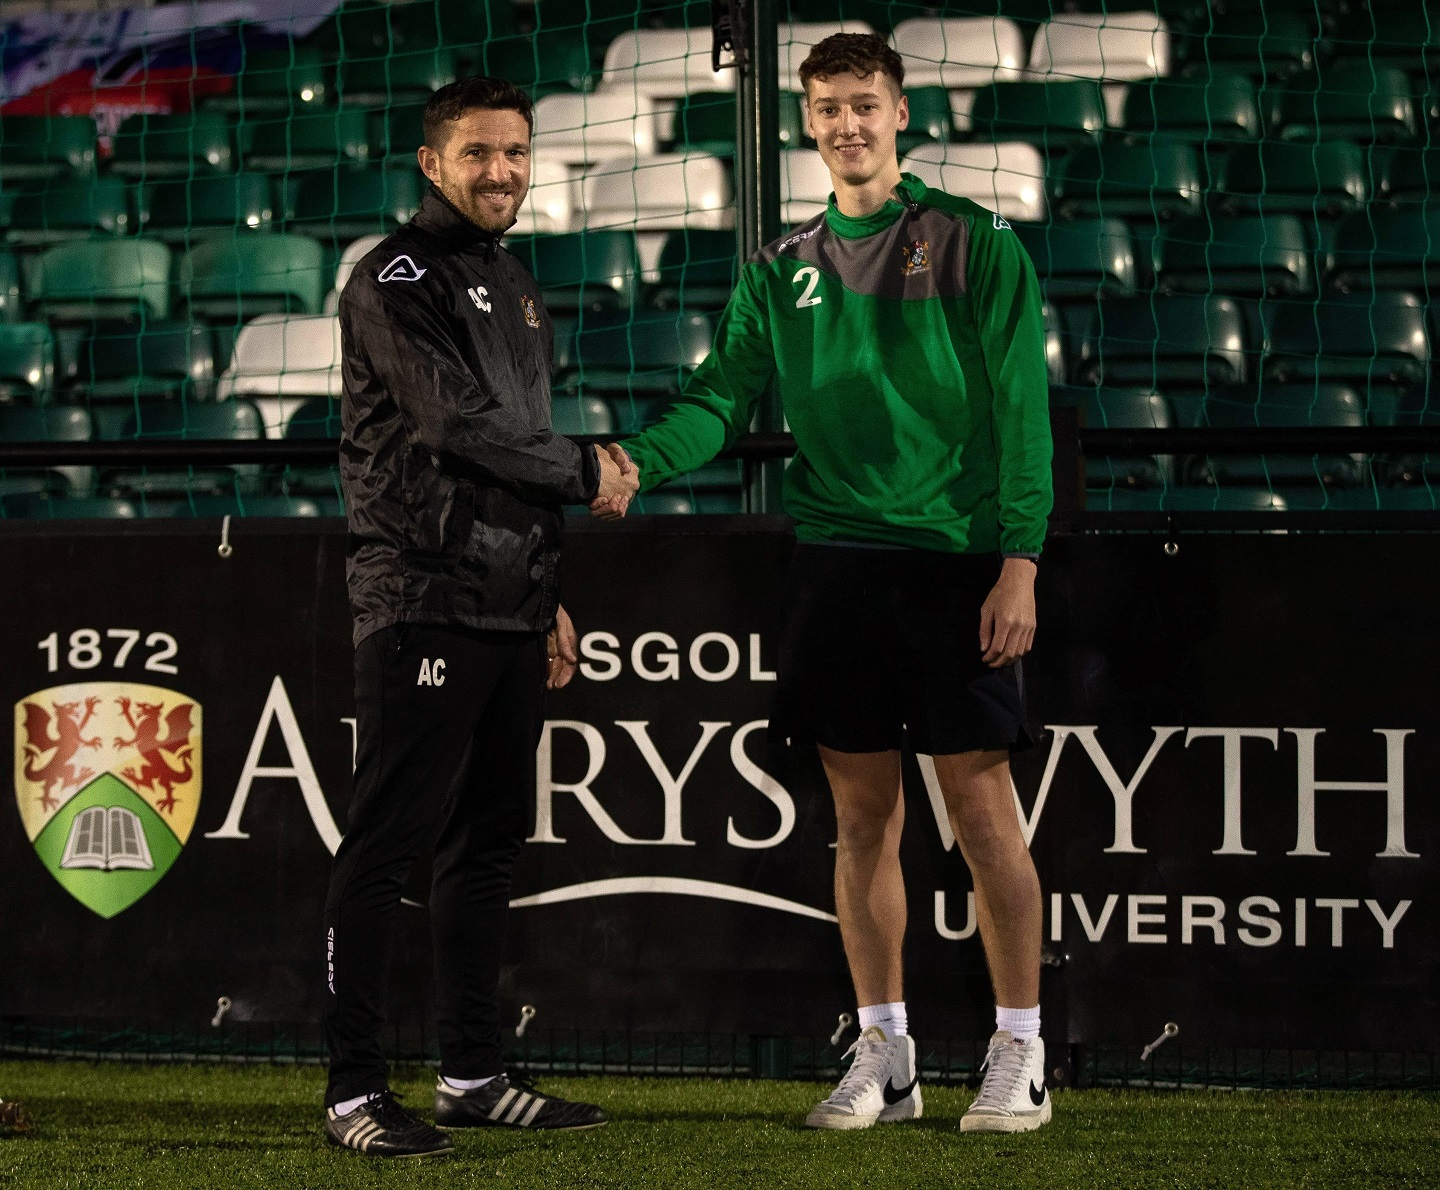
point(453, 100)
point(856, 53)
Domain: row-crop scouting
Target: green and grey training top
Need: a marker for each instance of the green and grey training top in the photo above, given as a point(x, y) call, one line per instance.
point(908, 352)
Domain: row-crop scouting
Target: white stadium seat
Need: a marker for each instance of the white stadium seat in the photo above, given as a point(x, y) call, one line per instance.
point(804, 185)
point(547, 207)
point(581, 129)
point(663, 64)
point(667, 191)
point(1008, 178)
point(959, 52)
point(795, 40)
point(348, 260)
point(1116, 46)
point(280, 360)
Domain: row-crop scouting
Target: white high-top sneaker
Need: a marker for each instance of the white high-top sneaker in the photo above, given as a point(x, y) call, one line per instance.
point(882, 1085)
point(1013, 1097)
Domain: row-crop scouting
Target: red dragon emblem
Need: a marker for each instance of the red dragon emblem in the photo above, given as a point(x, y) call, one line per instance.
point(69, 726)
point(165, 763)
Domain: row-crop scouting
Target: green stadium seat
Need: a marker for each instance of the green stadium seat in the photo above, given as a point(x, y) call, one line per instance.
point(35, 148)
point(633, 414)
point(291, 80)
point(1269, 44)
point(398, 131)
point(1380, 249)
point(596, 22)
point(235, 278)
point(197, 208)
point(723, 503)
point(581, 415)
point(192, 421)
point(1223, 499)
point(1054, 115)
point(39, 506)
point(1284, 405)
point(399, 77)
point(1123, 409)
point(1379, 338)
point(1399, 36)
point(1347, 101)
point(593, 270)
point(1216, 106)
point(1323, 179)
point(346, 203)
point(1159, 179)
point(663, 503)
point(930, 119)
point(1084, 258)
point(544, 63)
point(1412, 176)
point(1239, 255)
point(27, 361)
point(697, 271)
point(372, 30)
point(311, 140)
point(705, 123)
point(71, 209)
point(648, 354)
point(125, 362)
point(565, 361)
point(156, 146)
point(12, 305)
point(114, 279)
point(1165, 341)
point(318, 417)
point(50, 423)
point(233, 505)
point(1414, 468)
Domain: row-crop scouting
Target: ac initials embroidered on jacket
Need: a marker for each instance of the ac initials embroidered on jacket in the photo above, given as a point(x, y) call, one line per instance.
point(402, 268)
point(478, 295)
point(432, 673)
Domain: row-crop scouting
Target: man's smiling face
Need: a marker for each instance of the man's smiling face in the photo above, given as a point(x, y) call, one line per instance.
point(482, 166)
point(854, 120)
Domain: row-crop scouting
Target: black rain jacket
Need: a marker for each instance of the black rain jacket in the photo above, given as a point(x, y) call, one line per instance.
point(452, 477)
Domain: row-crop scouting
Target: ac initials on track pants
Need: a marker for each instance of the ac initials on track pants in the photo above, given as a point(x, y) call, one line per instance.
point(447, 722)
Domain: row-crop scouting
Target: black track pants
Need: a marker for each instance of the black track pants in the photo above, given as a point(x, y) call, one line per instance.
point(447, 725)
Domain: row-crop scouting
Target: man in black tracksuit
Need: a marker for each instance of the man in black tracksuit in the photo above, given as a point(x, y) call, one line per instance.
point(453, 485)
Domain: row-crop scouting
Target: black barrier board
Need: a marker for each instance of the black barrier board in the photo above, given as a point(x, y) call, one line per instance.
point(1232, 802)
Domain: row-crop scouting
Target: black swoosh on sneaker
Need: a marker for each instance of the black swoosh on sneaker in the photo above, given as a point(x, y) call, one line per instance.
point(894, 1095)
point(1037, 1094)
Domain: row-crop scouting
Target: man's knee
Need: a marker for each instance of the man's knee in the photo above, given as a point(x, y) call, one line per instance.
point(861, 825)
point(987, 837)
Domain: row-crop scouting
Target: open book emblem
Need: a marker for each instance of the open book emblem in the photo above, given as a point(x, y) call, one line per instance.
point(107, 780)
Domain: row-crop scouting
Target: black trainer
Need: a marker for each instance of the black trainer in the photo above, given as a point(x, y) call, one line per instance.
point(380, 1127)
point(510, 1101)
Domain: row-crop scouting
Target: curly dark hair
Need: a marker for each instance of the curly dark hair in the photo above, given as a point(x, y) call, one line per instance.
point(453, 100)
point(854, 53)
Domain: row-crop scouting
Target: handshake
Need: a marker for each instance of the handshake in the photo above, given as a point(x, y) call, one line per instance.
point(619, 481)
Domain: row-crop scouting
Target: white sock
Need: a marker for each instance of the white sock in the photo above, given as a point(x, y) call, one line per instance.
point(890, 1017)
point(1023, 1024)
point(465, 1084)
point(346, 1106)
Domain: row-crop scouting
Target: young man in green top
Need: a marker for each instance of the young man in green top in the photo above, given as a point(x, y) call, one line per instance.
point(903, 333)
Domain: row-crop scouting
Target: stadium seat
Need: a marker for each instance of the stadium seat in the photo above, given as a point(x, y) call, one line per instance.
point(119, 361)
point(236, 278)
point(584, 129)
point(396, 77)
point(663, 503)
point(344, 203)
point(27, 362)
point(1216, 106)
point(1397, 36)
point(795, 40)
point(648, 354)
point(1054, 115)
point(697, 271)
point(234, 504)
point(1324, 179)
point(1380, 249)
point(705, 123)
point(1347, 101)
point(659, 193)
point(581, 415)
point(931, 120)
point(1264, 44)
point(1118, 46)
point(548, 62)
point(36, 148)
point(1164, 341)
point(1241, 255)
point(959, 52)
point(1159, 179)
point(397, 132)
point(1412, 176)
point(195, 208)
point(279, 361)
point(1008, 178)
point(41, 506)
point(804, 185)
point(373, 29)
point(51, 423)
point(1378, 337)
point(1123, 409)
point(1085, 258)
point(315, 417)
point(664, 64)
point(592, 270)
point(155, 146)
point(188, 420)
point(1284, 405)
point(354, 252)
point(294, 79)
point(547, 208)
point(12, 305)
point(311, 140)
point(1057, 354)
point(114, 279)
point(71, 209)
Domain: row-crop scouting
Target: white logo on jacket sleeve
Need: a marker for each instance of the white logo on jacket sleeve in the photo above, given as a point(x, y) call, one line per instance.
point(1000, 223)
point(478, 296)
point(402, 268)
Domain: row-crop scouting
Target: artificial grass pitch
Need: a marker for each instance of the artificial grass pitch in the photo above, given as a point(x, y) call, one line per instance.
point(134, 1126)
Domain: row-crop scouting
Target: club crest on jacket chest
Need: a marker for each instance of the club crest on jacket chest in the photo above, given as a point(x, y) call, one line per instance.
point(527, 307)
point(915, 257)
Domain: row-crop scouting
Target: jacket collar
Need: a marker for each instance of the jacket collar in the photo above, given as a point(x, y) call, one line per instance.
point(441, 218)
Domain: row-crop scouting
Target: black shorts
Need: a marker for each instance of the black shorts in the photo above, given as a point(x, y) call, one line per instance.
point(880, 648)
